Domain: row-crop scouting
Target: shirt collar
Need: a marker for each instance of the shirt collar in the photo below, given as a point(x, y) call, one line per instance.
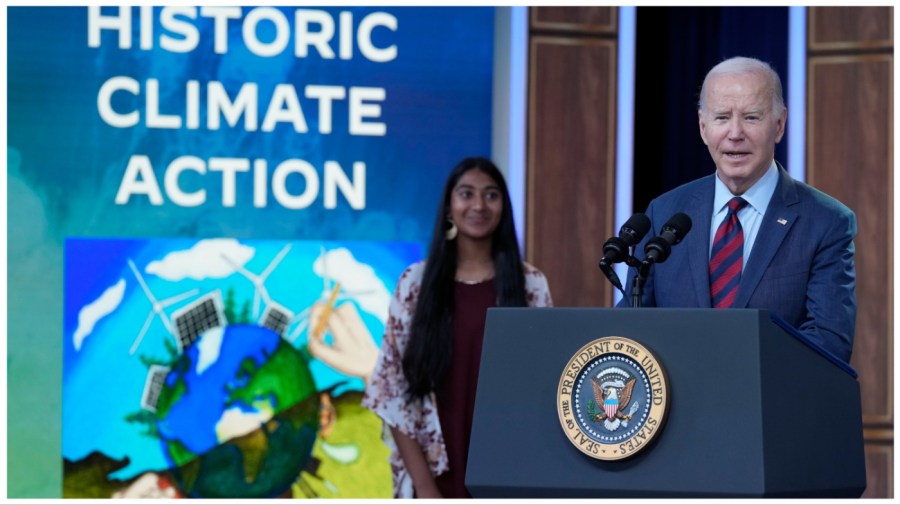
point(758, 196)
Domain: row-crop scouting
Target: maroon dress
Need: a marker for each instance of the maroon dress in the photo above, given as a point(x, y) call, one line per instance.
point(456, 393)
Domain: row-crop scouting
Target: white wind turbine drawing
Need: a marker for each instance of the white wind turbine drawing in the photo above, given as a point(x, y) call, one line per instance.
point(259, 281)
point(156, 309)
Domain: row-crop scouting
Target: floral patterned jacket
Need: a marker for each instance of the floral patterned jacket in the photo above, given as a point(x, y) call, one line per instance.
point(385, 394)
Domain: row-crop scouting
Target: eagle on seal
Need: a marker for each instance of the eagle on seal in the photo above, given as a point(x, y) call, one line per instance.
point(614, 396)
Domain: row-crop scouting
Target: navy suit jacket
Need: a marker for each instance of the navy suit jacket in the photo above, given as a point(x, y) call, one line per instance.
point(800, 268)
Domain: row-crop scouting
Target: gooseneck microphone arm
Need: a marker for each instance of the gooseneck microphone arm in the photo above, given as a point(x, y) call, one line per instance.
point(657, 250)
point(637, 283)
point(617, 249)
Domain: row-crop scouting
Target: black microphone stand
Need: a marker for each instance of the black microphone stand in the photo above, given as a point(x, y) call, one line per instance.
point(637, 283)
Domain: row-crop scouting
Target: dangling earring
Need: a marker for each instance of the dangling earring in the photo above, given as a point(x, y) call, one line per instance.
point(451, 232)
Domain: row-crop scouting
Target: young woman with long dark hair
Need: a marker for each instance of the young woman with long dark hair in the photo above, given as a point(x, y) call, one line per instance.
point(423, 386)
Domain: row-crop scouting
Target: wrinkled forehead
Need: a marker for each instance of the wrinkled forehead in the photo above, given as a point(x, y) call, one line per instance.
point(746, 90)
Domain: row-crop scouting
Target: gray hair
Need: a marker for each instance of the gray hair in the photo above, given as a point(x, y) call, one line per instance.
point(741, 65)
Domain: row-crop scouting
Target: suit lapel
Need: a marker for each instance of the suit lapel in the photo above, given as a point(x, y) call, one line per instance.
point(700, 212)
point(776, 224)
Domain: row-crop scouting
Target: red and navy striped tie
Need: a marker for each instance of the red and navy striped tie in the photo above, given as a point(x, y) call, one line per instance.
point(727, 257)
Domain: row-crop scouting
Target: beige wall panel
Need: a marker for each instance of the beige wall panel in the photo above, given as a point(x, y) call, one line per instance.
point(848, 28)
point(594, 20)
point(571, 165)
point(850, 158)
point(879, 471)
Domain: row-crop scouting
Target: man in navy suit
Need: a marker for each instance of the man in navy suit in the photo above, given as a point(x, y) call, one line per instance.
point(790, 250)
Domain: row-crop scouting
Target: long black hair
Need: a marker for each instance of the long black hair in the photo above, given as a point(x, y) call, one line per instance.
point(429, 351)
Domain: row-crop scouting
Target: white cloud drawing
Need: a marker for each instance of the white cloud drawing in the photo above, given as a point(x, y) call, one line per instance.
point(97, 310)
point(356, 277)
point(205, 260)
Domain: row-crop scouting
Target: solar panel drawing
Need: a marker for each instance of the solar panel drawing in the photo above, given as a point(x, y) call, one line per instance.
point(201, 315)
point(157, 307)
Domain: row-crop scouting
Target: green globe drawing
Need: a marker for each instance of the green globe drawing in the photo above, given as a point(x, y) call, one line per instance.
point(238, 414)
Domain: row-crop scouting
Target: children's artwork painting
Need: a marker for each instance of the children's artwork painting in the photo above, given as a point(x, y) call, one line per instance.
point(224, 368)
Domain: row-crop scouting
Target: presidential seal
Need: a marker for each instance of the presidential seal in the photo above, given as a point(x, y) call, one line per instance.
point(612, 398)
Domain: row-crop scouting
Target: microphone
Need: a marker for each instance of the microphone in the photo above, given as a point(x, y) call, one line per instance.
point(615, 250)
point(658, 248)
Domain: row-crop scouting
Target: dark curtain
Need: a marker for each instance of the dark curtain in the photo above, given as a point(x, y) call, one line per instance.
point(676, 46)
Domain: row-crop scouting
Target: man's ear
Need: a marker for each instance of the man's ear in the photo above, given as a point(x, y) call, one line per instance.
point(780, 125)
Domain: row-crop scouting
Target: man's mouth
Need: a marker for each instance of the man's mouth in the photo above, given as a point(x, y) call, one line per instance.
point(736, 155)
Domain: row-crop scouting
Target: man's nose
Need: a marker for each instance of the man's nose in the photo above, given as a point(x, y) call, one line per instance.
point(735, 129)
